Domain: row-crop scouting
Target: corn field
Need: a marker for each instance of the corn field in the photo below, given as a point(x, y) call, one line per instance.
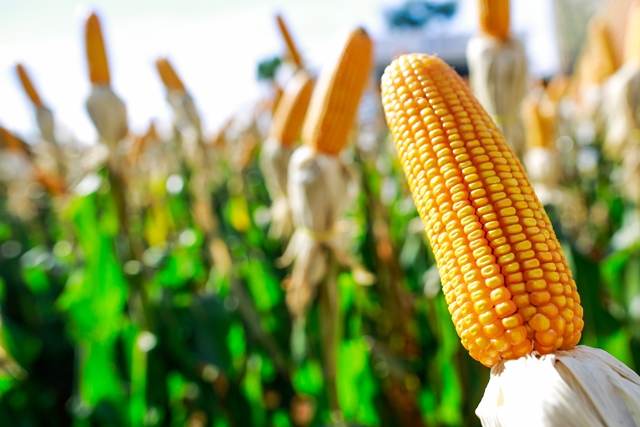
point(278, 273)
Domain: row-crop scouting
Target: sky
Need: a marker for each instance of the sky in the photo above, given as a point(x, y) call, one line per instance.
point(214, 45)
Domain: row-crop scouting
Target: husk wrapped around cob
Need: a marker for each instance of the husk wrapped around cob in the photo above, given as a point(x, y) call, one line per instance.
point(106, 109)
point(320, 185)
point(498, 71)
point(279, 146)
point(505, 278)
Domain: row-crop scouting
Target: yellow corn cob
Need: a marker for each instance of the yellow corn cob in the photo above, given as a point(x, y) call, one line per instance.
point(168, 75)
point(598, 61)
point(334, 103)
point(96, 52)
point(10, 142)
point(539, 118)
point(494, 18)
point(292, 51)
point(504, 275)
point(289, 115)
point(632, 36)
point(31, 91)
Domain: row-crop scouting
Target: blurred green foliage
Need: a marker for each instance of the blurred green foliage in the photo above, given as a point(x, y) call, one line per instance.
point(93, 336)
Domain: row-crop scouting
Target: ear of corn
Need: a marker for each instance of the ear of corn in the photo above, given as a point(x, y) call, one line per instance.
point(598, 61)
point(29, 89)
point(539, 118)
point(494, 18)
point(292, 108)
point(334, 103)
point(96, 52)
point(292, 50)
point(504, 276)
point(168, 75)
point(632, 36)
point(9, 141)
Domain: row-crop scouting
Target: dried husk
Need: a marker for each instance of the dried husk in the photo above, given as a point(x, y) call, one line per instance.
point(320, 189)
point(274, 163)
point(497, 75)
point(108, 113)
point(582, 387)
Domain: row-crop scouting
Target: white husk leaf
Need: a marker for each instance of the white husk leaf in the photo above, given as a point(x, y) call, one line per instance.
point(320, 189)
point(44, 117)
point(497, 74)
point(621, 109)
point(185, 113)
point(274, 163)
point(108, 113)
point(582, 387)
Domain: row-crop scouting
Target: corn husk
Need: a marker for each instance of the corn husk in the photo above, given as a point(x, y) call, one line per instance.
point(582, 387)
point(497, 75)
point(108, 113)
point(320, 189)
point(274, 163)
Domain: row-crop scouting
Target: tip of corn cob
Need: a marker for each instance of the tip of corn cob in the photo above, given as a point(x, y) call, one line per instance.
point(334, 102)
point(292, 108)
point(9, 141)
point(292, 51)
point(96, 52)
point(494, 18)
point(504, 276)
point(168, 75)
point(30, 90)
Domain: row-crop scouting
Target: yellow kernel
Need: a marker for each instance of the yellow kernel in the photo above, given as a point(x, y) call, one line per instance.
point(539, 298)
point(494, 329)
point(488, 317)
point(482, 306)
point(513, 321)
point(500, 294)
point(500, 343)
point(506, 308)
point(527, 312)
point(522, 300)
point(548, 310)
point(494, 282)
point(516, 335)
point(539, 322)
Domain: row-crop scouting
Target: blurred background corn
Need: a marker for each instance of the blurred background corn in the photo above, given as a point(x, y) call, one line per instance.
point(292, 109)
point(335, 100)
point(494, 18)
point(505, 278)
point(293, 54)
point(27, 85)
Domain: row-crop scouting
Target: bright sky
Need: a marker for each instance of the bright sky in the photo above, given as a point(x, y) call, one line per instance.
point(214, 46)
